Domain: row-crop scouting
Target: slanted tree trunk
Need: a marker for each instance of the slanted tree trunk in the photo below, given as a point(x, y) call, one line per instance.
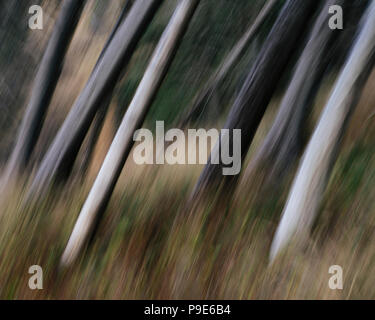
point(203, 97)
point(45, 84)
point(98, 122)
point(14, 59)
point(259, 86)
point(310, 181)
point(59, 159)
point(124, 13)
point(120, 148)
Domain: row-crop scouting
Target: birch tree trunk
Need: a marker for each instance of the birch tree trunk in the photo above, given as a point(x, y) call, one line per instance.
point(59, 159)
point(284, 140)
point(202, 98)
point(45, 84)
point(120, 148)
point(259, 86)
point(310, 181)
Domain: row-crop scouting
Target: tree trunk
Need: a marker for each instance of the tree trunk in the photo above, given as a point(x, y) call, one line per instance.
point(262, 80)
point(45, 84)
point(59, 159)
point(98, 121)
point(14, 60)
point(120, 148)
point(310, 181)
point(202, 98)
point(120, 20)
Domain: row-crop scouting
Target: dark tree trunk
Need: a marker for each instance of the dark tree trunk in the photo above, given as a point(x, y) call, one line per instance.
point(45, 83)
point(262, 80)
point(59, 159)
point(14, 60)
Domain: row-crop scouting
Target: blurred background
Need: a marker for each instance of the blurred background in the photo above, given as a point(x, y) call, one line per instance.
point(144, 247)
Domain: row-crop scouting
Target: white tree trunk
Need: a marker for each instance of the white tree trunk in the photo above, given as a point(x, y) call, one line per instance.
point(310, 181)
point(133, 119)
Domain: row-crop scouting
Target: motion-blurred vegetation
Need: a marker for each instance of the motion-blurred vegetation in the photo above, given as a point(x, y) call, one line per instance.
point(147, 247)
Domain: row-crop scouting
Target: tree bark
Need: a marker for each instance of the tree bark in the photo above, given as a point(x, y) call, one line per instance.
point(104, 184)
point(203, 97)
point(310, 181)
point(45, 84)
point(259, 86)
point(58, 161)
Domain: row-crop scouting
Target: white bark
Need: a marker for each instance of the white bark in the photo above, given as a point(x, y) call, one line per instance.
point(310, 180)
point(123, 141)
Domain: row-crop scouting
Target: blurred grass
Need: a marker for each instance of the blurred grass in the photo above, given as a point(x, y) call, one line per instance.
point(145, 248)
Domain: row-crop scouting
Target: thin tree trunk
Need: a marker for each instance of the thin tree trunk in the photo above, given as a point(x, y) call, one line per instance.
point(262, 80)
point(59, 159)
point(202, 98)
point(45, 84)
point(310, 181)
point(120, 148)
